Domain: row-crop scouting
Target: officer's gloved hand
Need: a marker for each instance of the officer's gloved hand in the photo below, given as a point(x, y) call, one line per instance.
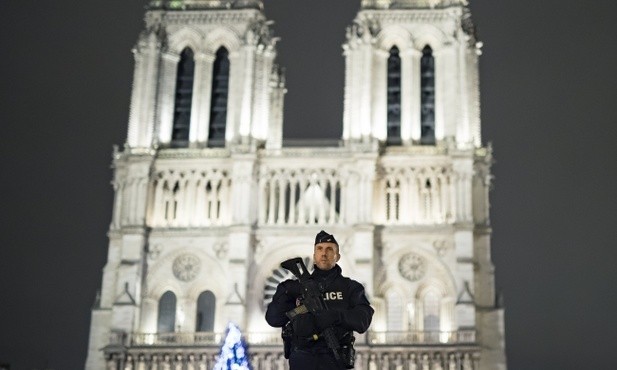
point(327, 318)
point(293, 288)
point(304, 325)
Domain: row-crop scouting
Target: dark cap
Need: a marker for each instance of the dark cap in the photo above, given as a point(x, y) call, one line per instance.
point(324, 237)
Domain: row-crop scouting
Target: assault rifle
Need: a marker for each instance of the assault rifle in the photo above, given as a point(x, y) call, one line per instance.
point(313, 302)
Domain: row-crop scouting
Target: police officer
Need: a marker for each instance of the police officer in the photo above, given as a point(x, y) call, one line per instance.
point(348, 310)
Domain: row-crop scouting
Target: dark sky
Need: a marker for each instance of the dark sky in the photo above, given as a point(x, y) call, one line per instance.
point(549, 91)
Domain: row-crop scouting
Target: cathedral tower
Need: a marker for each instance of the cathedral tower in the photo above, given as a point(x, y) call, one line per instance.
point(205, 90)
point(208, 200)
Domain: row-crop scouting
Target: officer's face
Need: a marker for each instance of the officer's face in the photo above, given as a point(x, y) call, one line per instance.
point(326, 255)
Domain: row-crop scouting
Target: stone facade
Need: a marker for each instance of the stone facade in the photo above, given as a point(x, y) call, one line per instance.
point(208, 224)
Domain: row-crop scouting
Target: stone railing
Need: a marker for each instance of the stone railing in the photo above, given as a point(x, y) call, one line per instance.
point(371, 338)
point(420, 337)
point(422, 357)
point(188, 339)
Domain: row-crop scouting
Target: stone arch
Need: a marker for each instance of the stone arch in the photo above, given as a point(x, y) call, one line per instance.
point(446, 304)
point(395, 295)
point(437, 276)
point(186, 37)
point(156, 291)
point(394, 36)
point(429, 35)
point(224, 37)
point(437, 269)
point(209, 277)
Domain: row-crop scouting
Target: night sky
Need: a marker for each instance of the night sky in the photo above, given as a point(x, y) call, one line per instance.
point(549, 98)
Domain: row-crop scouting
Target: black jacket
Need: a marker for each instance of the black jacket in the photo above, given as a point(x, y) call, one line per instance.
point(341, 294)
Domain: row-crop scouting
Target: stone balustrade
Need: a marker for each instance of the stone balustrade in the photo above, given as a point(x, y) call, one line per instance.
point(271, 358)
point(412, 350)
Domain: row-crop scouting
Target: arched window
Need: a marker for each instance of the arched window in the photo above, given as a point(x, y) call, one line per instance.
point(167, 313)
point(206, 305)
point(184, 99)
point(394, 97)
point(395, 312)
point(427, 96)
point(393, 198)
point(218, 104)
point(431, 306)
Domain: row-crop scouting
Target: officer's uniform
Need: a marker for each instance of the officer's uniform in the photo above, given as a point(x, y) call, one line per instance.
point(348, 310)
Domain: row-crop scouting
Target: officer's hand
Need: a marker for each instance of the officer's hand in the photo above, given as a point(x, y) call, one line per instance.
point(327, 318)
point(304, 325)
point(293, 288)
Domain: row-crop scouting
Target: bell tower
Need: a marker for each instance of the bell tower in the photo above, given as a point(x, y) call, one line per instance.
point(412, 74)
point(203, 76)
point(412, 89)
point(205, 86)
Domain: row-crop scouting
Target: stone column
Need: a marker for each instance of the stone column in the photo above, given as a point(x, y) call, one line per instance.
point(202, 94)
point(379, 108)
point(410, 94)
point(166, 92)
point(141, 116)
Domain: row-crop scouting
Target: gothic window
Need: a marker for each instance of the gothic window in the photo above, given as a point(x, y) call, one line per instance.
point(395, 312)
point(427, 96)
point(394, 97)
point(206, 306)
point(218, 103)
point(184, 99)
point(171, 201)
point(427, 200)
point(167, 313)
point(431, 305)
point(393, 189)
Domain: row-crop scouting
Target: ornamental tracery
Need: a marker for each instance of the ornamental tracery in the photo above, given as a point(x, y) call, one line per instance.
point(417, 195)
point(300, 196)
point(412, 266)
point(186, 267)
point(190, 198)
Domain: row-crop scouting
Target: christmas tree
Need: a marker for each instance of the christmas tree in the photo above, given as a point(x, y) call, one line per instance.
point(234, 352)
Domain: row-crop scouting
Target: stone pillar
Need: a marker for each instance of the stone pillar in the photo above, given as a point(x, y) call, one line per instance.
point(411, 93)
point(379, 108)
point(166, 93)
point(141, 116)
point(202, 94)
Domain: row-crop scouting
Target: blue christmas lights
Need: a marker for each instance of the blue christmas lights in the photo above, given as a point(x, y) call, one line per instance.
point(234, 353)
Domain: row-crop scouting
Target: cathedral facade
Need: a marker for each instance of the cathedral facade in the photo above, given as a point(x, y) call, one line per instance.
point(209, 199)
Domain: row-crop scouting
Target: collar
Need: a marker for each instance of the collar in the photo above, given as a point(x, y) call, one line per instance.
point(321, 274)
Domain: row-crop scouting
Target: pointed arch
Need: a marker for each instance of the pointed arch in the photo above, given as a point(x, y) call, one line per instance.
point(219, 96)
point(394, 35)
point(206, 309)
point(427, 97)
point(186, 37)
point(183, 99)
point(166, 321)
point(222, 37)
